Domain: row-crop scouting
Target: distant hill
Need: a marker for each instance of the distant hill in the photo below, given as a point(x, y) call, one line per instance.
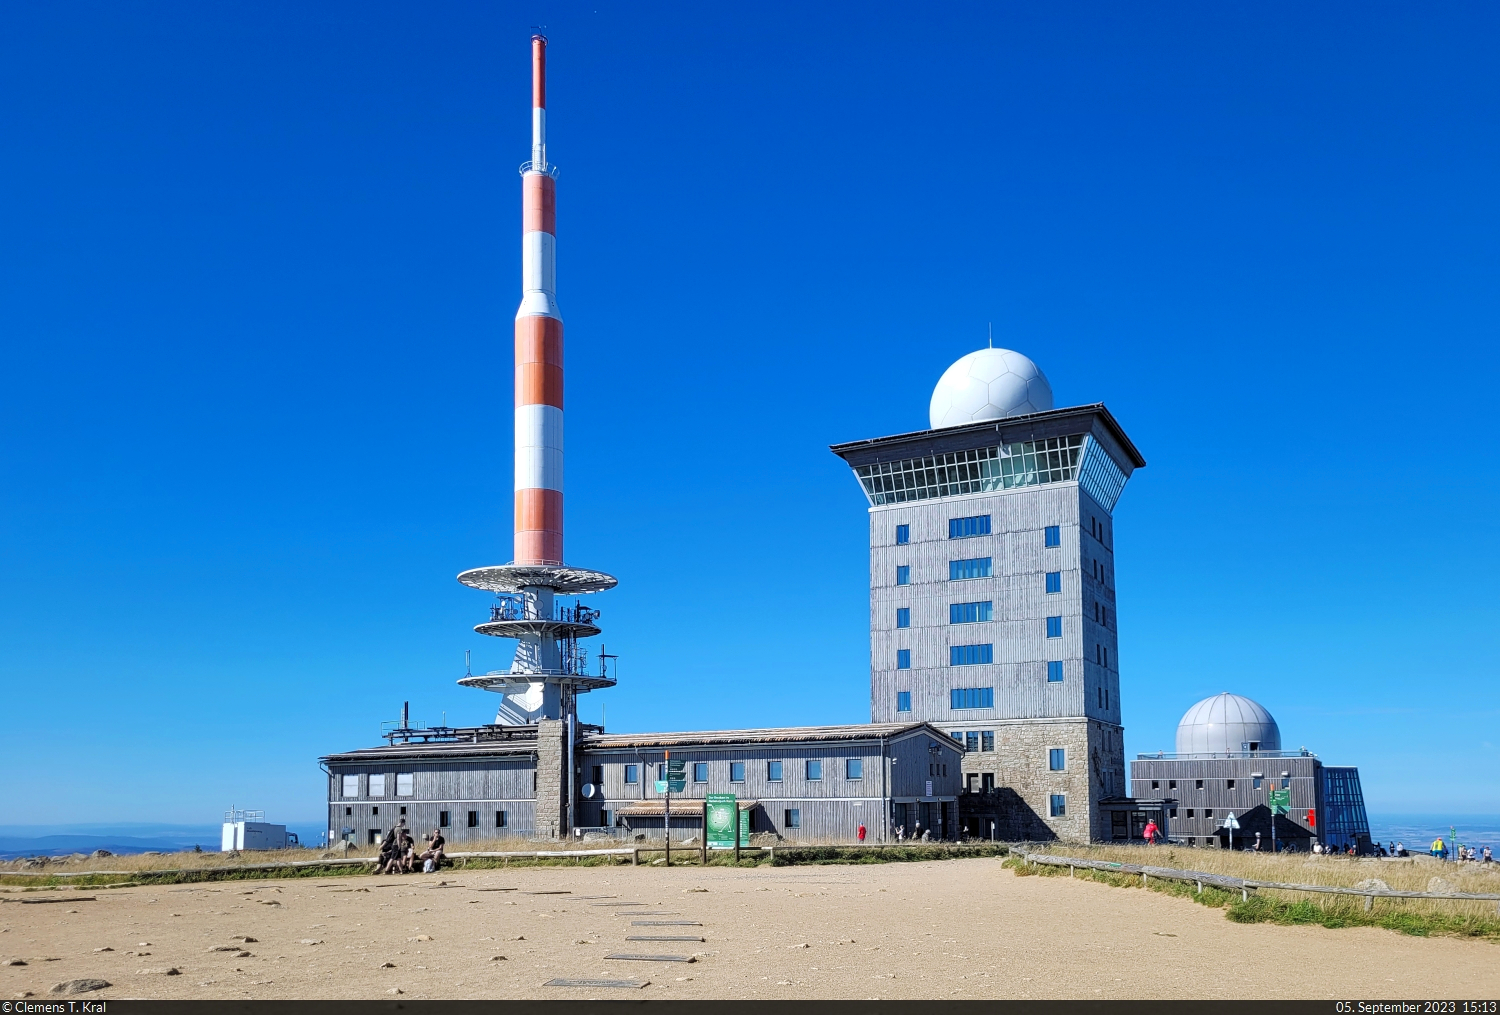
point(61, 845)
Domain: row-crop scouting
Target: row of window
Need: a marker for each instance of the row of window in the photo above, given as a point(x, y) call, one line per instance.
point(978, 525)
point(977, 655)
point(903, 698)
point(980, 567)
point(854, 768)
point(981, 612)
point(377, 785)
point(1256, 782)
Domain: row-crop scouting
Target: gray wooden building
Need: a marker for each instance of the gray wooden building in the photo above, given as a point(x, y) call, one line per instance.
point(802, 784)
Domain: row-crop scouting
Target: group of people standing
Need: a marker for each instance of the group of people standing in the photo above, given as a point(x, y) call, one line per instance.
point(398, 852)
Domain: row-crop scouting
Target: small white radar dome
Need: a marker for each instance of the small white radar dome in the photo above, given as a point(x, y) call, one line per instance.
point(989, 384)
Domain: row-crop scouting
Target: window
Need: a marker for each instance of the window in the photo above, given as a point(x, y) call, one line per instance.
point(971, 613)
point(987, 782)
point(903, 701)
point(793, 818)
point(1199, 784)
point(963, 528)
point(963, 570)
point(736, 771)
point(1286, 781)
point(1171, 812)
point(632, 774)
point(1052, 535)
point(374, 836)
point(854, 768)
point(981, 470)
point(1059, 806)
point(987, 740)
point(351, 785)
point(1189, 812)
point(1229, 784)
point(1171, 784)
point(403, 784)
point(903, 659)
point(473, 819)
point(773, 771)
point(1155, 784)
point(442, 819)
point(903, 535)
point(1054, 582)
point(956, 735)
point(700, 771)
point(403, 812)
point(596, 775)
point(972, 697)
point(1054, 627)
point(903, 617)
point(1057, 759)
point(374, 810)
point(500, 819)
point(1208, 812)
point(970, 655)
point(971, 741)
point(377, 785)
point(814, 770)
point(1054, 671)
point(1255, 782)
point(903, 574)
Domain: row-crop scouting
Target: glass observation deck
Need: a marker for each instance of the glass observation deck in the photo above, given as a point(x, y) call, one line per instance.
point(980, 470)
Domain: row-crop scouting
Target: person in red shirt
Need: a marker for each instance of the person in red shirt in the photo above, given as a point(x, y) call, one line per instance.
point(861, 833)
point(1151, 833)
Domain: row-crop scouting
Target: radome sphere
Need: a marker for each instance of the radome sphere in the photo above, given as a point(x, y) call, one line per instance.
point(1224, 724)
point(989, 384)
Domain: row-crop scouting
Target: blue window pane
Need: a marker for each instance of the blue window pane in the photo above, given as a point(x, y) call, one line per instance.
point(1054, 627)
point(1057, 759)
point(903, 617)
point(793, 818)
point(1054, 671)
point(773, 771)
point(814, 770)
point(971, 740)
point(903, 659)
point(903, 574)
point(903, 701)
point(1059, 805)
point(970, 655)
point(632, 773)
point(1054, 535)
point(1054, 582)
point(963, 570)
point(903, 535)
point(988, 737)
point(971, 613)
point(736, 771)
point(972, 697)
point(962, 528)
point(854, 768)
point(700, 771)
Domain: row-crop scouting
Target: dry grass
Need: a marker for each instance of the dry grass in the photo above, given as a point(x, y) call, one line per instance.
point(1412, 916)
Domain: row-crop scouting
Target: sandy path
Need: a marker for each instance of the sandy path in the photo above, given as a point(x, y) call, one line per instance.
point(957, 928)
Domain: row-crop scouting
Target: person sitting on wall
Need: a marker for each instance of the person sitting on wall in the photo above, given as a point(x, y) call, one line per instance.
point(432, 858)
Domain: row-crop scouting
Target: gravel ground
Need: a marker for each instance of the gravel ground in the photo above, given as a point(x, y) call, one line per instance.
point(957, 928)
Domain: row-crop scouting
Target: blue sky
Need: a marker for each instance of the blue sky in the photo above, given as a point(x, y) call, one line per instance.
point(260, 262)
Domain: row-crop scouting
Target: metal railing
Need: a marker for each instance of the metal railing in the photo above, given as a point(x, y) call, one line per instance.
point(1222, 755)
point(518, 609)
point(1245, 885)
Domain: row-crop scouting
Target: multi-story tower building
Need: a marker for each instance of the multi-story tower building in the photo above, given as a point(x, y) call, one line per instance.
point(992, 593)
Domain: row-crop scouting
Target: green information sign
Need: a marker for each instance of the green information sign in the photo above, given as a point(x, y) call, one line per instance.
point(1280, 801)
point(719, 814)
point(677, 785)
point(677, 768)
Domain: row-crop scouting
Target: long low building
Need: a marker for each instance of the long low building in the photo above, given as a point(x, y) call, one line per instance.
point(802, 784)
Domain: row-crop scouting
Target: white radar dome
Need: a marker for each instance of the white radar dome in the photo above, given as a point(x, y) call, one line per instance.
point(1226, 724)
point(989, 384)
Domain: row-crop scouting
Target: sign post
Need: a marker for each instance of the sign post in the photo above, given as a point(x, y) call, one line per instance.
point(721, 821)
point(1231, 823)
point(676, 781)
point(1280, 801)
